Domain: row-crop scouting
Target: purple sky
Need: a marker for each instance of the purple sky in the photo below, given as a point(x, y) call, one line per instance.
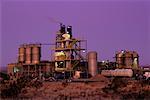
point(108, 26)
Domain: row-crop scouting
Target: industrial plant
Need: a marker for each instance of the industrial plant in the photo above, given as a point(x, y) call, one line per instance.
point(69, 56)
point(70, 62)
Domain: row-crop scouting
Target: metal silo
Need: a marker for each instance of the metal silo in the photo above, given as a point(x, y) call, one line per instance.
point(21, 58)
point(36, 53)
point(128, 59)
point(92, 63)
point(28, 54)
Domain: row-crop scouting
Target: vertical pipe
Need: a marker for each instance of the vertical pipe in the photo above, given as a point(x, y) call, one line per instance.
point(86, 59)
point(40, 72)
point(35, 70)
point(28, 70)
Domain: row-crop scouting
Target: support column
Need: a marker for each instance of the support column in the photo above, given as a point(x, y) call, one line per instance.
point(40, 72)
point(28, 69)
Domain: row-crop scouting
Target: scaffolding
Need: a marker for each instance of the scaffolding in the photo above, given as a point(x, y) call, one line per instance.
point(69, 52)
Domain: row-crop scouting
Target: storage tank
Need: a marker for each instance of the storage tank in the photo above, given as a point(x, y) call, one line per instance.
point(21, 58)
point(118, 72)
point(28, 54)
point(36, 54)
point(119, 58)
point(127, 59)
point(92, 63)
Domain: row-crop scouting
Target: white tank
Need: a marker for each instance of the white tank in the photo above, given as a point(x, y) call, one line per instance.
point(118, 72)
point(92, 63)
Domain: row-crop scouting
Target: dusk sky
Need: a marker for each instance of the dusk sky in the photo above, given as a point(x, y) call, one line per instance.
point(107, 25)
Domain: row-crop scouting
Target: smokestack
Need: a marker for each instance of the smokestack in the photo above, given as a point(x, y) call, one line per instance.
point(69, 30)
point(62, 28)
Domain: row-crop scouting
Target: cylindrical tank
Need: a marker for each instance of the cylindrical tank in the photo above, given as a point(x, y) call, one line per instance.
point(36, 54)
point(21, 58)
point(28, 54)
point(118, 72)
point(119, 58)
point(92, 63)
point(128, 59)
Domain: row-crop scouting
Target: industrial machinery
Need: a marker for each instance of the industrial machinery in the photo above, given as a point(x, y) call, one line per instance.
point(68, 51)
point(29, 61)
point(127, 59)
point(70, 59)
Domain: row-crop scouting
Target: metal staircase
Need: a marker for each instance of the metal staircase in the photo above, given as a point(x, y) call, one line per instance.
point(75, 64)
point(82, 58)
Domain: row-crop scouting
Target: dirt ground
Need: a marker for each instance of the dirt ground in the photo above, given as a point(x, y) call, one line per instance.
point(102, 89)
point(99, 88)
point(67, 91)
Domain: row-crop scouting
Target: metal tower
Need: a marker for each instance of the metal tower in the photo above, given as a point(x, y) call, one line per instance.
point(68, 51)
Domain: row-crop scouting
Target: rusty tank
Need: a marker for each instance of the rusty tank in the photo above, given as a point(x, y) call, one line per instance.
point(36, 53)
point(28, 54)
point(92, 63)
point(21, 54)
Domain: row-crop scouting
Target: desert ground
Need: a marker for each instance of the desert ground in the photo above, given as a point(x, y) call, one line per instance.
point(96, 88)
